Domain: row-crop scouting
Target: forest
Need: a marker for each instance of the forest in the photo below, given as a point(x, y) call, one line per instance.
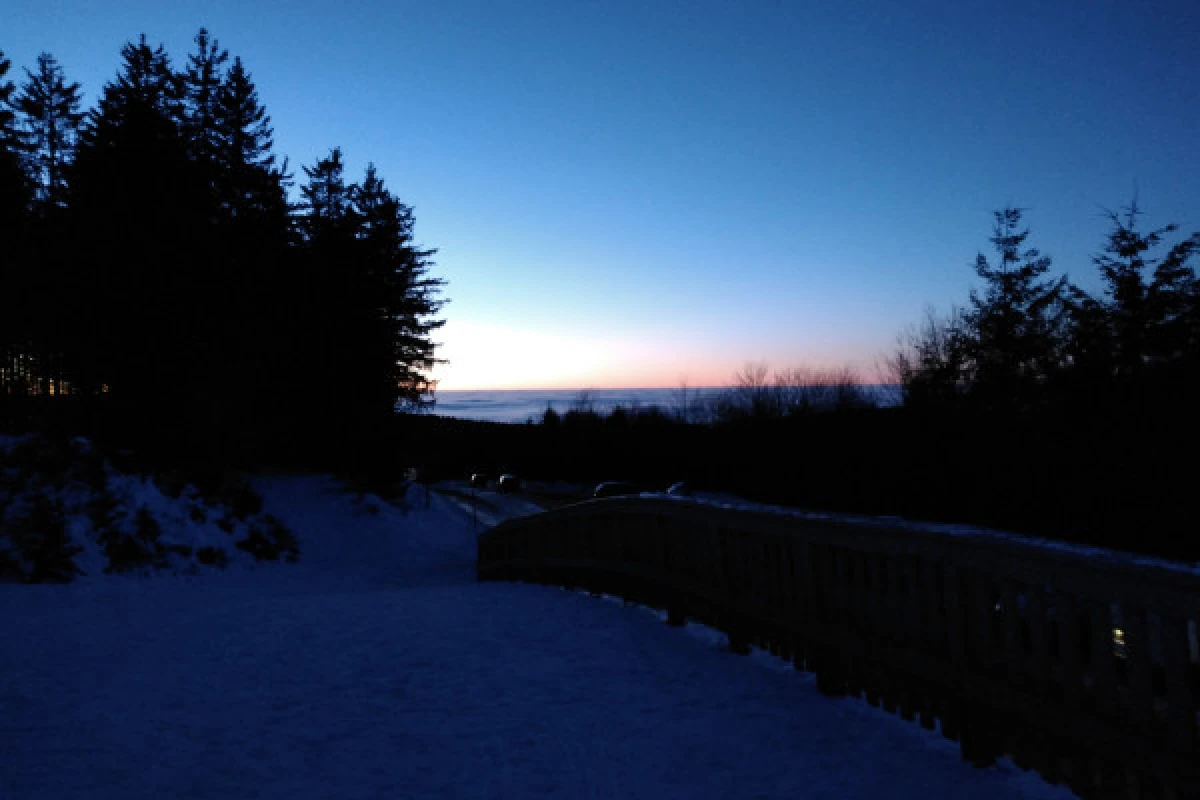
point(163, 287)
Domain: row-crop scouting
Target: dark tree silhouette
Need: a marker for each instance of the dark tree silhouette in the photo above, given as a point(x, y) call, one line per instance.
point(1014, 324)
point(328, 201)
point(202, 82)
point(402, 295)
point(372, 299)
point(145, 84)
point(14, 290)
point(169, 281)
point(49, 117)
point(252, 183)
point(1143, 331)
point(138, 209)
point(7, 117)
point(931, 362)
point(14, 187)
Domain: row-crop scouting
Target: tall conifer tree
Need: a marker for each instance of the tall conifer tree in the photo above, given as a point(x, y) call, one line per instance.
point(202, 83)
point(1014, 322)
point(253, 183)
point(13, 183)
point(408, 297)
point(328, 201)
point(1146, 295)
point(50, 116)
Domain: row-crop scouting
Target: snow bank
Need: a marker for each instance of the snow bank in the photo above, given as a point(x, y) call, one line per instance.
point(66, 512)
point(1101, 554)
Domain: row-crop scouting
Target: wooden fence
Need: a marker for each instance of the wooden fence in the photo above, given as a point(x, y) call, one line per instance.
point(1083, 666)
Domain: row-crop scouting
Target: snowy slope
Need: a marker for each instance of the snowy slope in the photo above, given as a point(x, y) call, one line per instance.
point(63, 498)
point(377, 668)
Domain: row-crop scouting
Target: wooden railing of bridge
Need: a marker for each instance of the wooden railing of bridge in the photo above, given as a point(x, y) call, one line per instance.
point(1080, 665)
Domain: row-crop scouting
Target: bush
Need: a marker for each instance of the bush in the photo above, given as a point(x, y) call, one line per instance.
point(40, 455)
point(10, 567)
point(222, 488)
point(148, 529)
point(242, 500)
point(125, 552)
point(142, 549)
point(271, 540)
point(212, 557)
point(172, 484)
point(102, 510)
point(41, 542)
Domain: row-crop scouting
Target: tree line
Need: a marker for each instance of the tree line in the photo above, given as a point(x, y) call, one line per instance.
point(1028, 341)
point(1037, 407)
point(156, 271)
point(1026, 344)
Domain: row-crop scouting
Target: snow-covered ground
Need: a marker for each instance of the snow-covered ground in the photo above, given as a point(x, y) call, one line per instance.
point(66, 514)
point(486, 507)
point(377, 668)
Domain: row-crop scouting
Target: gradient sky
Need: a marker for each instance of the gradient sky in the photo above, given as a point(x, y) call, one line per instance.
point(631, 193)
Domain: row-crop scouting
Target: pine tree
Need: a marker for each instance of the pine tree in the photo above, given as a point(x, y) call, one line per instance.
point(141, 209)
point(244, 123)
point(1173, 304)
point(50, 117)
point(14, 197)
point(1148, 300)
point(406, 294)
point(202, 83)
point(252, 182)
point(146, 87)
point(328, 201)
point(8, 119)
point(13, 183)
point(1013, 324)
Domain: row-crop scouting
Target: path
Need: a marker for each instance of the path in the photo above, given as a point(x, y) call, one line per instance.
point(378, 668)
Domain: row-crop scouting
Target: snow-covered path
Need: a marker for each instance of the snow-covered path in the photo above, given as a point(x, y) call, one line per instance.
point(378, 668)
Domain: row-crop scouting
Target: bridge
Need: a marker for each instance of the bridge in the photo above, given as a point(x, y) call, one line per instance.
point(1079, 663)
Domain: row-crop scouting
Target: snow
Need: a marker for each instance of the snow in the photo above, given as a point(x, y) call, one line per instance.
point(377, 667)
point(1096, 554)
point(73, 479)
point(487, 507)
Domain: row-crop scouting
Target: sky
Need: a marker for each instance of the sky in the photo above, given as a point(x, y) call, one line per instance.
point(635, 194)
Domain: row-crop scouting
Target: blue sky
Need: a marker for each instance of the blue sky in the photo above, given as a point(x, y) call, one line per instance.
point(627, 194)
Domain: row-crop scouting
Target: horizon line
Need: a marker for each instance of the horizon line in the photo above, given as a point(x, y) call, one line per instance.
point(689, 388)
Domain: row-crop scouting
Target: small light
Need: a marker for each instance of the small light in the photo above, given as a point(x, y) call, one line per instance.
point(1119, 649)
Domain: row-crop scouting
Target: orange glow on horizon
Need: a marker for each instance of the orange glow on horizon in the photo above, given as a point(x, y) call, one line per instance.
point(503, 358)
point(493, 357)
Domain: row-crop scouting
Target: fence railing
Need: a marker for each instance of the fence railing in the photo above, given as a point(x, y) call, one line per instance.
point(1081, 665)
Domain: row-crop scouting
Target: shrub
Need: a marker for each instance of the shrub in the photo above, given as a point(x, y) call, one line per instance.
point(242, 500)
point(142, 549)
point(172, 484)
point(40, 455)
point(212, 557)
point(270, 540)
point(124, 552)
point(101, 510)
point(148, 529)
point(41, 540)
point(10, 567)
